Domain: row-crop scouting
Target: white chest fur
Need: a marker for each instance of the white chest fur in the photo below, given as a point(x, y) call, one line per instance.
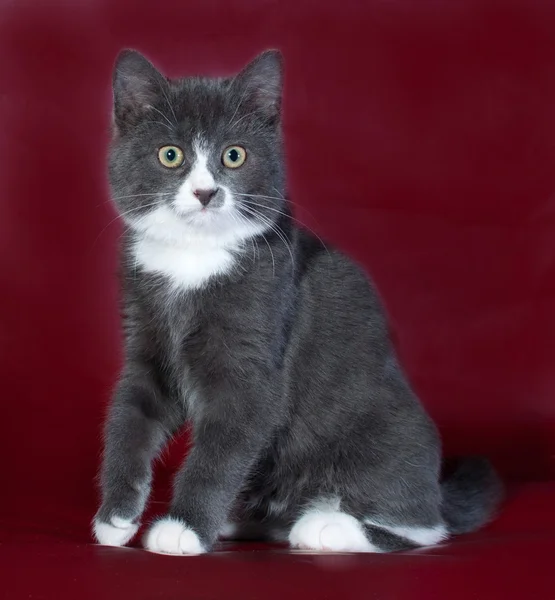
point(187, 265)
point(191, 248)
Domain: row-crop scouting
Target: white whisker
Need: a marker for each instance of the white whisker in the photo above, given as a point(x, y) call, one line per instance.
point(238, 104)
point(137, 195)
point(263, 196)
point(172, 126)
point(253, 241)
point(290, 217)
point(271, 254)
point(243, 117)
point(238, 218)
point(168, 101)
point(118, 217)
point(160, 123)
point(275, 228)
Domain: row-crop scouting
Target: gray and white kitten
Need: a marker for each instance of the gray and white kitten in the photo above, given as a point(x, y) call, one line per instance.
point(272, 347)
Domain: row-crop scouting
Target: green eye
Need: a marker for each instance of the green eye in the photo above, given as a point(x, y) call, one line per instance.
point(170, 156)
point(234, 156)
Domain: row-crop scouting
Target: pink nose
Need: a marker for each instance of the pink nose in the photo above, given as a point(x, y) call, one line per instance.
point(204, 196)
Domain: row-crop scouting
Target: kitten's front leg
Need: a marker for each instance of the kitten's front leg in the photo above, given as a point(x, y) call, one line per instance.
point(136, 429)
point(234, 427)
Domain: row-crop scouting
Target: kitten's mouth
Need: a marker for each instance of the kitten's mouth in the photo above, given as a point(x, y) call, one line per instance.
point(202, 217)
point(192, 212)
point(208, 209)
point(205, 216)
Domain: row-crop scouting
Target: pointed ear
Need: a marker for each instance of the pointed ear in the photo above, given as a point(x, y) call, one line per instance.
point(261, 83)
point(136, 85)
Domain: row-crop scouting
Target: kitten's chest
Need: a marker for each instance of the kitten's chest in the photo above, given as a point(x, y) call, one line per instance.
point(187, 266)
point(172, 320)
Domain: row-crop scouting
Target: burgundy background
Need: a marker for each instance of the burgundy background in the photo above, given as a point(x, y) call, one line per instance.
point(420, 138)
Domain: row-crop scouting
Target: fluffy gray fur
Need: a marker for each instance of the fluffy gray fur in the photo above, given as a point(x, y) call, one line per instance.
point(282, 366)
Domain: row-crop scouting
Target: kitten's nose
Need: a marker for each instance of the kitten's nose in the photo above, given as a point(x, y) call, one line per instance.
point(204, 196)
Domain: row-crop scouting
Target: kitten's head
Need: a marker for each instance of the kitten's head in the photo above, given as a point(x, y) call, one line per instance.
point(197, 156)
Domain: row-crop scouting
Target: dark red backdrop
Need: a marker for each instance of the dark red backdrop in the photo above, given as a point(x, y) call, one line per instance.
point(420, 138)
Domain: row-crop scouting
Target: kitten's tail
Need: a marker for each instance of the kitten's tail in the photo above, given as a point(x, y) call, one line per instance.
point(472, 492)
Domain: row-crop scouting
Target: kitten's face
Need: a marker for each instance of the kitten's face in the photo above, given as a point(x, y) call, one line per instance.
point(197, 157)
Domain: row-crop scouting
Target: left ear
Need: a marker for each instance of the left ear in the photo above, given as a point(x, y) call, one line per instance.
point(136, 84)
point(261, 83)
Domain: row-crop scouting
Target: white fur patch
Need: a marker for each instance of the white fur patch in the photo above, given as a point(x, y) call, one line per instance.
point(189, 253)
point(199, 178)
point(116, 533)
point(171, 536)
point(326, 530)
point(423, 536)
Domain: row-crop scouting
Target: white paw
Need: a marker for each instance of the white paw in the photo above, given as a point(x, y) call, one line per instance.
point(329, 532)
point(116, 533)
point(171, 536)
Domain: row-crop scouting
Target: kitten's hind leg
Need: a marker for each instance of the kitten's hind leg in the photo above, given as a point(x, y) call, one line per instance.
point(324, 527)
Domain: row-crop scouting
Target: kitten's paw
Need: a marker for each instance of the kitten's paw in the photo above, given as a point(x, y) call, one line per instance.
point(171, 536)
point(329, 532)
point(116, 533)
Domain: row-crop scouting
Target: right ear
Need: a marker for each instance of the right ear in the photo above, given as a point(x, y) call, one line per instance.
point(137, 85)
point(261, 81)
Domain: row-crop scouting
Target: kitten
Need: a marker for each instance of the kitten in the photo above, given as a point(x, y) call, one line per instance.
point(274, 348)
